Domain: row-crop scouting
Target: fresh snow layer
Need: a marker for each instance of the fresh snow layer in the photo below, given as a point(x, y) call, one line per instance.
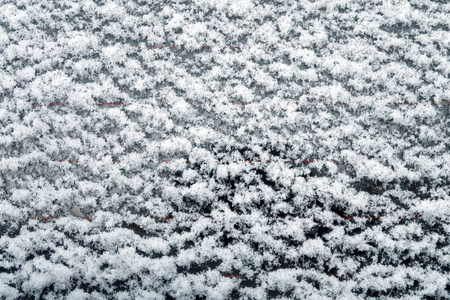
point(216, 149)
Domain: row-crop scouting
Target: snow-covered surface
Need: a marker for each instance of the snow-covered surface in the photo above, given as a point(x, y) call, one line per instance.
point(296, 63)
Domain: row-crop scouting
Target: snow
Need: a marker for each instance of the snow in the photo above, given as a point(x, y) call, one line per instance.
point(274, 158)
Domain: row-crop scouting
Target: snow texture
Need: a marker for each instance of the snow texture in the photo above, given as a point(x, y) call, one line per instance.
point(172, 187)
